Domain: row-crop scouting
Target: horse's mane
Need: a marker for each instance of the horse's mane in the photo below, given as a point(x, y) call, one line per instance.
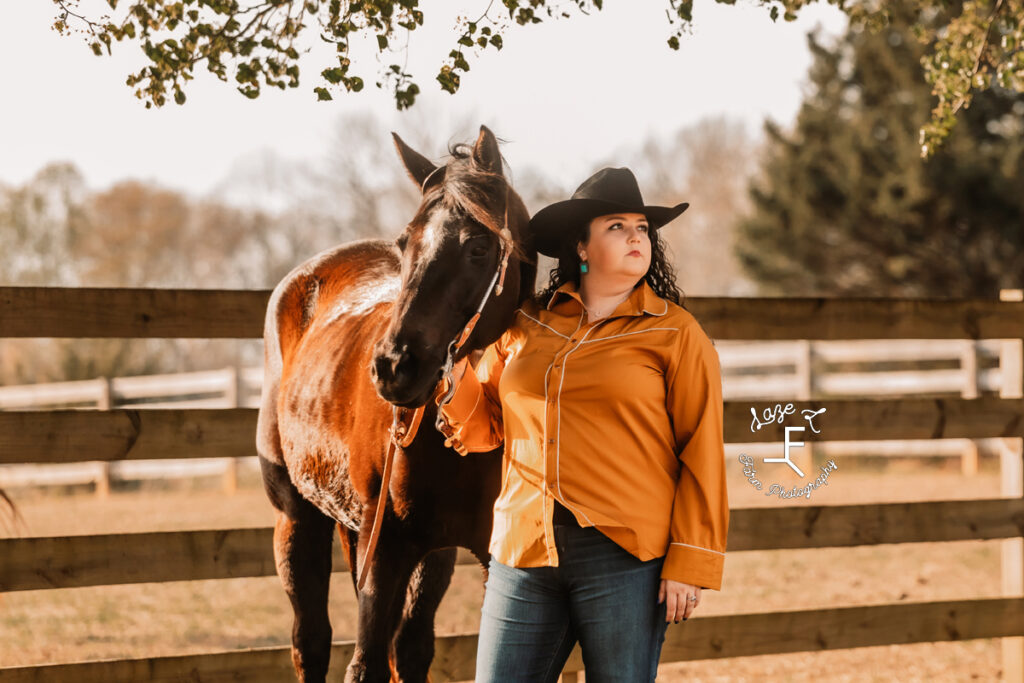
point(467, 188)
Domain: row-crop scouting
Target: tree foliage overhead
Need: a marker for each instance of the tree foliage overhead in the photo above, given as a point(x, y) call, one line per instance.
point(258, 42)
point(845, 206)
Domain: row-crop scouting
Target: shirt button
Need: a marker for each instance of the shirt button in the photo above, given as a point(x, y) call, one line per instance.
point(551, 441)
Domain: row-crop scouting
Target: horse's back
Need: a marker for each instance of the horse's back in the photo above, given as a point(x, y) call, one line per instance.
point(322, 321)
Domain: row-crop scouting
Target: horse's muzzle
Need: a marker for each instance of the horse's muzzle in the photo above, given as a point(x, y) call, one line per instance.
point(403, 377)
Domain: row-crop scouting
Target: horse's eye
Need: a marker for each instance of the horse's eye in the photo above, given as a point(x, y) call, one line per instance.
point(478, 251)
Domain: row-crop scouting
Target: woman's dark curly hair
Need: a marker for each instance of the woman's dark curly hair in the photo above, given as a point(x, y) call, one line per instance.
point(661, 276)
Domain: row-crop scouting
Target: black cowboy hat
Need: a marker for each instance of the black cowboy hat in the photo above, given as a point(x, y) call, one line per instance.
point(610, 190)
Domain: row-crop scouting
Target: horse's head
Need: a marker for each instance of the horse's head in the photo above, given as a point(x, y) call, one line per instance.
point(451, 252)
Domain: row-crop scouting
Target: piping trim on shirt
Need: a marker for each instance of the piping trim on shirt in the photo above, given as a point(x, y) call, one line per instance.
point(558, 416)
point(659, 314)
point(544, 498)
point(708, 550)
point(543, 325)
point(478, 397)
point(626, 334)
point(544, 465)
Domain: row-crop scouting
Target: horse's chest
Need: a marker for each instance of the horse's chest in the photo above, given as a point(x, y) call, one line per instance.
point(323, 479)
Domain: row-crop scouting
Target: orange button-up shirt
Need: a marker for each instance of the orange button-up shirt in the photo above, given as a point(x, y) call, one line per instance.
point(620, 420)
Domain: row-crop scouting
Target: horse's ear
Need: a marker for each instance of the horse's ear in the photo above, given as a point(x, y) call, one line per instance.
point(485, 152)
point(417, 165)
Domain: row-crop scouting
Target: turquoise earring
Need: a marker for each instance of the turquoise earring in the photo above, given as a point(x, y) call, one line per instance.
point(583, 267)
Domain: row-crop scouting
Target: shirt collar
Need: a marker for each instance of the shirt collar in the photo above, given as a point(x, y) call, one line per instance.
point(643, 299)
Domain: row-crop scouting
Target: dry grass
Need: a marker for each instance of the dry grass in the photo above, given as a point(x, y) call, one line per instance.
point(191, 617)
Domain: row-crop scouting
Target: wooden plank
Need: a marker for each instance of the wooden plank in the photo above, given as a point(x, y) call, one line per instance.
point(839, 628)
point(258, 665)
point(882, 419)
point(209, 314)
point(45, 436)
point(140, 313)
point(766, 318)
point(76, 561)
point(704, 637)
point(828, 526)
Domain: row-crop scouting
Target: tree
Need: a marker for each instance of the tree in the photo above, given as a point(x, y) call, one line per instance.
point(975, 45)
point(708, 164)
point(55, 232)
point(845, 206)
point(39, 227)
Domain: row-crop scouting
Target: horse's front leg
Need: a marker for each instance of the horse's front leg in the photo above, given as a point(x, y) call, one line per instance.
point(382, 598)
point(302, 552)
point(414, 641)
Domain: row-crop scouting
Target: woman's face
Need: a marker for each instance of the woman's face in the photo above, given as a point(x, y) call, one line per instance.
point(619, 247)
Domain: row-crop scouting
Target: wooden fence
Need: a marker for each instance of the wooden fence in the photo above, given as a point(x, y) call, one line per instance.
point(770, 370)
point(130, 434)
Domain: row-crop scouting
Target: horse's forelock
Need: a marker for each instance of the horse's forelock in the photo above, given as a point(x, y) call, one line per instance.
point(478, 193)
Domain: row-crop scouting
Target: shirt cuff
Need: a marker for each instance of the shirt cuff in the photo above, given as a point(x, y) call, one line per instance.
point(464, 401)
point(691, 564)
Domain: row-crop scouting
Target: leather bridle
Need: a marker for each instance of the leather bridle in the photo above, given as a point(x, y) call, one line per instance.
point(402, 433)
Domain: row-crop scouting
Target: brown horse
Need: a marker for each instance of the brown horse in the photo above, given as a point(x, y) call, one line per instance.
point(350, 334)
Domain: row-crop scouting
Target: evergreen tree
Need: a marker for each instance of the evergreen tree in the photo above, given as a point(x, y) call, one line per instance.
point(845, 205)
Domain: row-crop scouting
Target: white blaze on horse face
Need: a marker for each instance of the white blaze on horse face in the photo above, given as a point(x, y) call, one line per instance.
point(376, 287)
point(431, 240)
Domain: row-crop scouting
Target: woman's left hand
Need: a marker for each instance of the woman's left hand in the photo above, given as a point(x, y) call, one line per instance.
point(677, 595)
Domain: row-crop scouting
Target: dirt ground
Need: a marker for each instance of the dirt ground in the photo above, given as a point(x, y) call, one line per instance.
point(202, 616)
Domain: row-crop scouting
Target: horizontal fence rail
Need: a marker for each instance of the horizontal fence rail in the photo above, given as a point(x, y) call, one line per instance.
point(59, 436)
point(77, 561)
point(709, 637)
point(215, 314)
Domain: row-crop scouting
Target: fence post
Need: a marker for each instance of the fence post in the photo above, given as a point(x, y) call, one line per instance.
point(232, 399)
point(104, 401)
point(969, 366)
point(804, 390)
point(1011, 458)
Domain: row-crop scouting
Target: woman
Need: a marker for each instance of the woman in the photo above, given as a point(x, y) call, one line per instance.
point(607, 394)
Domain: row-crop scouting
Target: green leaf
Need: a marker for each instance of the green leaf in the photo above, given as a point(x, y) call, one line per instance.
point(322, 94)
point(332, 75)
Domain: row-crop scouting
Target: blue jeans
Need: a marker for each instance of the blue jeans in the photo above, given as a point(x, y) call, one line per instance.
point(600, 595)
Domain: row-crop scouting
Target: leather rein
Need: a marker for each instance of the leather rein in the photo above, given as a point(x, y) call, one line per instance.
point(402, 433)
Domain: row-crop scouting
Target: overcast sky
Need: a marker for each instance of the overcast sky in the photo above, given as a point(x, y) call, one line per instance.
point(564, 94)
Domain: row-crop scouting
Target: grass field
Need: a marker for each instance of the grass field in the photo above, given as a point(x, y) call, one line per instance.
point(200, 616)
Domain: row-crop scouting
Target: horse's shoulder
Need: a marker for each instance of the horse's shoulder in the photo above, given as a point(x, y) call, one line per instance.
point(294, 300)
point(349, 258)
